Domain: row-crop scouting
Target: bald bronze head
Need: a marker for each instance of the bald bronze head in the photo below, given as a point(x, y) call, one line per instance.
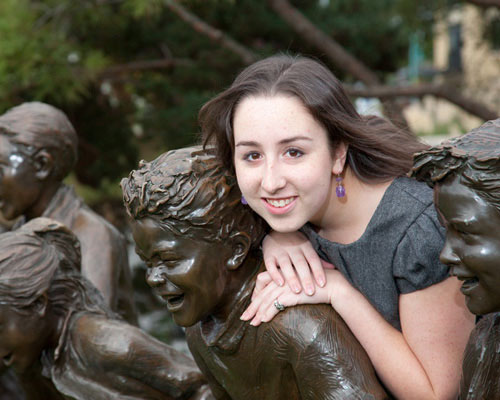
point(465, 174)
point(34, 125)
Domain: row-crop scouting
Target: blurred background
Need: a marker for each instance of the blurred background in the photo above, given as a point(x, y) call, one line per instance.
point(132, 74)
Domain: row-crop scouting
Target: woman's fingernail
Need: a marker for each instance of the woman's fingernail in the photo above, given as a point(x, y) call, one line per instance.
point(281, 282)
point(309, 290)
point(321, 281)
point(244, 316)
point(296, 288)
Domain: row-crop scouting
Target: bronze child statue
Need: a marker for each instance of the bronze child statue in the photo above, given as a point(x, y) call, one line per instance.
point(465, 174)
point(60, 338)
point(201, 246)
point(38, 148)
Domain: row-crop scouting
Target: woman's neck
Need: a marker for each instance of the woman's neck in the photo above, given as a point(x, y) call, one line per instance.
point(347, 218)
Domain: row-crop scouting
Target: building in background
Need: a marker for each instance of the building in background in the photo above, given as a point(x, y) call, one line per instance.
point(466, 54)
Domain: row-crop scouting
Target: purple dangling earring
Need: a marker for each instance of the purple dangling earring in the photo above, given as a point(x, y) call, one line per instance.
point(340, 189)
point(243, 200)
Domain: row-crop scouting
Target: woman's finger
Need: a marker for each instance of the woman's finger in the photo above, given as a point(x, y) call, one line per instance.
point(289, 273)
point(327, 265)
point(265, 298)
point(263, 279)
point(315, 265)
point(272, 267)
point(303, 270)
point(255, 304)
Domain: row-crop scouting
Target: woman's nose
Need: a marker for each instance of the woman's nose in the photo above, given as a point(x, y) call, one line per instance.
point(155, 276)
point(273, 178)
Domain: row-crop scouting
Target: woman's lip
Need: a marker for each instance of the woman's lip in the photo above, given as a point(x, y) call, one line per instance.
point(279, 210)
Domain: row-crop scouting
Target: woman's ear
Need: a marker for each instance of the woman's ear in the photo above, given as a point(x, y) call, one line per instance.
point(44, 164)
point(339, 158)
point(240, 244)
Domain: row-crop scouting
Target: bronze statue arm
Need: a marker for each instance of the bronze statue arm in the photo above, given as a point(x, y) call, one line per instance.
point(327, 360)
point(100, 255)
point(129, 354)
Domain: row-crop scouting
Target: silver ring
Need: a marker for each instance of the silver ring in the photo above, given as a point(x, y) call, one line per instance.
point(278, 305)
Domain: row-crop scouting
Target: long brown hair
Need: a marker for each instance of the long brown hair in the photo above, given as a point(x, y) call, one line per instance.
point(377, 150)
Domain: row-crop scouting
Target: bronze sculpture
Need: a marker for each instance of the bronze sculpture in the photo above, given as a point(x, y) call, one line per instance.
point(201, 246)
point(61, 339)
point(38, 148)
point(465, 174)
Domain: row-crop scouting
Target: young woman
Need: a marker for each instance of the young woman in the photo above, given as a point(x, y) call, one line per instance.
point(62, 341)
point(306, 160)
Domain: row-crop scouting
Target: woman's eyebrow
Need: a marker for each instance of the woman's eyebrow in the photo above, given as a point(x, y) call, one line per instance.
point(284, 141)
point(294, 139)
point(246, 143)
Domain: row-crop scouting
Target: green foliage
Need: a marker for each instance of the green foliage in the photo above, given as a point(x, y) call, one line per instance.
point(58, 51)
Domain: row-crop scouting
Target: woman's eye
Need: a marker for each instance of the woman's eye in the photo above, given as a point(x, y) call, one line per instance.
point(252, 156)
point(294, 153)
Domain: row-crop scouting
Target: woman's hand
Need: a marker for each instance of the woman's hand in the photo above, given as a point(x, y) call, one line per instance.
point(290, 257)
point(262, 308)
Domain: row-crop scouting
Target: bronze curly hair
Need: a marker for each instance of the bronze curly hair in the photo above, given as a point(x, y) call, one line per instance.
point(189, 189)
point(473, 157)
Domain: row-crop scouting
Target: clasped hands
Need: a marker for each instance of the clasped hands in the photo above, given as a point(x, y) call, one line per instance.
point(295, 275)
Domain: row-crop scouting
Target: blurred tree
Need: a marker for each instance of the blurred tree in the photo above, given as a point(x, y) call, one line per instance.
point(133, 72)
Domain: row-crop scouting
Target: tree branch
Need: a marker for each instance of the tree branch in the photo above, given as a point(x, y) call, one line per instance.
point(335, 53)
point(333, 50)
point(213, 34)
point(143, 65)
point(440, 91)
point(485, 3)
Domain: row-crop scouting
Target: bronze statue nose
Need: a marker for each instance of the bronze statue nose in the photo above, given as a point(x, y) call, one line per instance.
point(155, 276)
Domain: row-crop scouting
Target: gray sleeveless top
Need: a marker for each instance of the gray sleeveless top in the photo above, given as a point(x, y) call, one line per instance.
point(399, 251)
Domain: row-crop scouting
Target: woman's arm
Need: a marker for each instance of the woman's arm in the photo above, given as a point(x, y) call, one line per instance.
point(421, 362)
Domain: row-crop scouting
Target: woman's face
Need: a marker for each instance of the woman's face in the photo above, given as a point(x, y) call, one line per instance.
point(22, 337)
point(472, 246)
point(283, 161)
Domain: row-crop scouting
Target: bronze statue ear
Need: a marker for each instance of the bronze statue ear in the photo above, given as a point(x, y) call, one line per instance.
point(44, 164)
point(40, 305)
point(240, 245)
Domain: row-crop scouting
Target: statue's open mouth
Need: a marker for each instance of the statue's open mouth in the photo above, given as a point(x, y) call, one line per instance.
point(174, 302)
point(7, 360)
point(469, 284)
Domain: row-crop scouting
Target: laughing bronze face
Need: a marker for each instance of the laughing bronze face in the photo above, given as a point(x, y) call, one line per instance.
point(190, 275)
point(465, 174)
point(472, 246)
